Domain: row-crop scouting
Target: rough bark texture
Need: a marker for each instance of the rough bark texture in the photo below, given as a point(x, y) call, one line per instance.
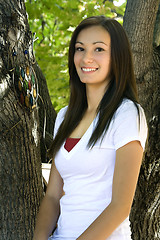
point(139, 22)
point(20, 132)
point(46, 113)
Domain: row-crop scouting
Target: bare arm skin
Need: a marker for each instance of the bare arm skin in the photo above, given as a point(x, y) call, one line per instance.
point(127, 166)
point(49, 209)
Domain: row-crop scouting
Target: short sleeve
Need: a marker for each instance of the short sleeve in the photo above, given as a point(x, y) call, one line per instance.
point(129, 126)
point(59, 119)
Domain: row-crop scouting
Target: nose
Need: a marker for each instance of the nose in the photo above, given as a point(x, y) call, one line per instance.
point(88, 57)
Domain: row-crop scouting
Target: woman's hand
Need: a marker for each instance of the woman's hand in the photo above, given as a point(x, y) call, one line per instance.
point(49, 209)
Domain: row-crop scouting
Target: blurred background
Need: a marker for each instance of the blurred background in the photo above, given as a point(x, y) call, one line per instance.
point(52, 22)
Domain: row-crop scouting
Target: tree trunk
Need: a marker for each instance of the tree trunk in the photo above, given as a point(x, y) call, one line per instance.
point(47, 114)
point(139, 22)
point(21, 131)
point(21, 102)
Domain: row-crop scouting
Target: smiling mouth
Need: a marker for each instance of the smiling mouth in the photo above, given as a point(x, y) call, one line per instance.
point(89, 69)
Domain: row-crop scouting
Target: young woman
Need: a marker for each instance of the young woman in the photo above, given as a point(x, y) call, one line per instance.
point(98, 140)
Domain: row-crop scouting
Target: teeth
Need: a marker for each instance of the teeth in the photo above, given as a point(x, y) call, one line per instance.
point(89, 69)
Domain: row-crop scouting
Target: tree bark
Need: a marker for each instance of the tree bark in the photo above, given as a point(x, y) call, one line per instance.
point(20, 127)
point(139, 22)
point(22, 145)
point(46, 114)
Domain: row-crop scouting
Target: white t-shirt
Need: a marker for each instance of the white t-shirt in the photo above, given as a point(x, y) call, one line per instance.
point(88, 173)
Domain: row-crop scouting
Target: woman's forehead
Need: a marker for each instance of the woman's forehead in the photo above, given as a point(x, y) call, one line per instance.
point(93, 34)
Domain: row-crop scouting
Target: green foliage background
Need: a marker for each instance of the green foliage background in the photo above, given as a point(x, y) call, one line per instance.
point(53, 21)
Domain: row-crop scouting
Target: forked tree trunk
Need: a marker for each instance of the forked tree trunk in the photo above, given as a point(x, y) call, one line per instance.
point(139, 22)
point(20, 131)
point(21, 82)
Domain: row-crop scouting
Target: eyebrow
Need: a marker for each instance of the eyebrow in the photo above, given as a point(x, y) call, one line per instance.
point(93, 43)
point(101, 42)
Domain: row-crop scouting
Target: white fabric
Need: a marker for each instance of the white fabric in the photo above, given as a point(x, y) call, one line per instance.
point(88, 173)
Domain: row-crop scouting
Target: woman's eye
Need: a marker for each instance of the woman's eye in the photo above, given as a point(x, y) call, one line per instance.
point(99, 49)
point(80, 49)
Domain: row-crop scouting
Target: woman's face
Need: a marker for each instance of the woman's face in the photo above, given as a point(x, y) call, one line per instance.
point(92, 56)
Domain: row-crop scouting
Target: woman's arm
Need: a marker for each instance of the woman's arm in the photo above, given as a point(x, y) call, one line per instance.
point(127, 166)
point(49, 209)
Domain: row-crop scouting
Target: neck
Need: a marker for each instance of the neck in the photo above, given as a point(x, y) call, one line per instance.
point(94, 96)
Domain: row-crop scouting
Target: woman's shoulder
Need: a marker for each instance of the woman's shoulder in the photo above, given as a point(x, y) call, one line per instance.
point(59, 119)
point(62, 112)
point(129, 108)
point(129, 122)
point(128, 113)
point(127, 105)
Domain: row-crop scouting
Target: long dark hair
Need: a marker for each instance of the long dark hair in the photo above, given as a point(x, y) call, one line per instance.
point(122, 84)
